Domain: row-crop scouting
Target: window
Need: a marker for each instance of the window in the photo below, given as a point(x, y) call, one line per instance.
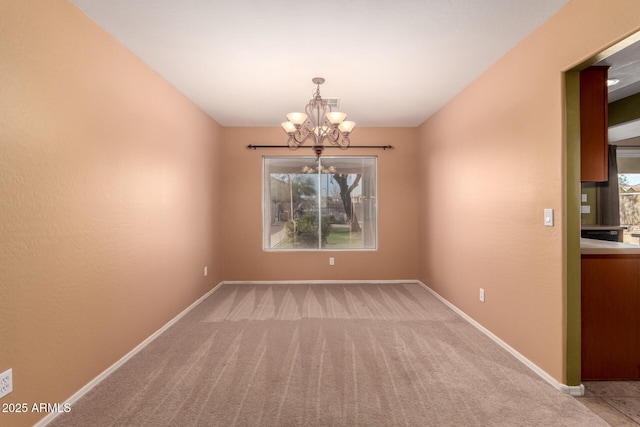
point(326, 203)
point(629, 191)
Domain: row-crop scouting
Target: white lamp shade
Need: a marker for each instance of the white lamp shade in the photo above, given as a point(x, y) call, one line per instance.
point(288, 127)
point(336, 117)
point(347, 126)
point(297, 118)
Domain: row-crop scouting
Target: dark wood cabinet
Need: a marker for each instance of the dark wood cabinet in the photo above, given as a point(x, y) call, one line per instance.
point(610, 317)
point(593, 124)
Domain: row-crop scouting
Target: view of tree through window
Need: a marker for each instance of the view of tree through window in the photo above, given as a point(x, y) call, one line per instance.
point(319, 203)
point(629, 189)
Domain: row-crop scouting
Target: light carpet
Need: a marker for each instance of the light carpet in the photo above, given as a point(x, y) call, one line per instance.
point(324, 355)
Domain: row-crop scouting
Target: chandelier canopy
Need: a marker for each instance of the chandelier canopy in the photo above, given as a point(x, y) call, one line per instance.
point(319, 124)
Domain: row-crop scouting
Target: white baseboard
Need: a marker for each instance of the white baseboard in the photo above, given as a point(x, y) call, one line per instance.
point(314, 282)
point(84, 390)
point(571, 390)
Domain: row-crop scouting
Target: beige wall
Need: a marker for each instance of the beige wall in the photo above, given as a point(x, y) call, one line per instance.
point(490, 161)
point(396, 257)
point(109, 196)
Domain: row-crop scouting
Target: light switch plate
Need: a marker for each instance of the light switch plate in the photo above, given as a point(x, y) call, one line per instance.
point(584, 198)
point(585, 209)
point(548, 217)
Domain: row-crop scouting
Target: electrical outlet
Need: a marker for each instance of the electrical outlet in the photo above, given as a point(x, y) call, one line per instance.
point(332, 261)
point(205, 270)
point(481, 295)
point(6, 383)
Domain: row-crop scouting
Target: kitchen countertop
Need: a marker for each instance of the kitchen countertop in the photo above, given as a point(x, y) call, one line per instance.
point(602, 227)
point(599, 247)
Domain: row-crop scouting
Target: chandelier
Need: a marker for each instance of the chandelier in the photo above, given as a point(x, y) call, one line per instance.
point(319, 124)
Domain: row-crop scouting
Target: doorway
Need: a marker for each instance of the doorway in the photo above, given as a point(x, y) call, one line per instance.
point(621, 59)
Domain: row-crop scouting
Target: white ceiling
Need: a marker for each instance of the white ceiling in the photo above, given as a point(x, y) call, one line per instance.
point(624, 66)
point(249, 62)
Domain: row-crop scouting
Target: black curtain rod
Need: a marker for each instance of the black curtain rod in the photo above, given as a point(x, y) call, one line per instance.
point(384, 147)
